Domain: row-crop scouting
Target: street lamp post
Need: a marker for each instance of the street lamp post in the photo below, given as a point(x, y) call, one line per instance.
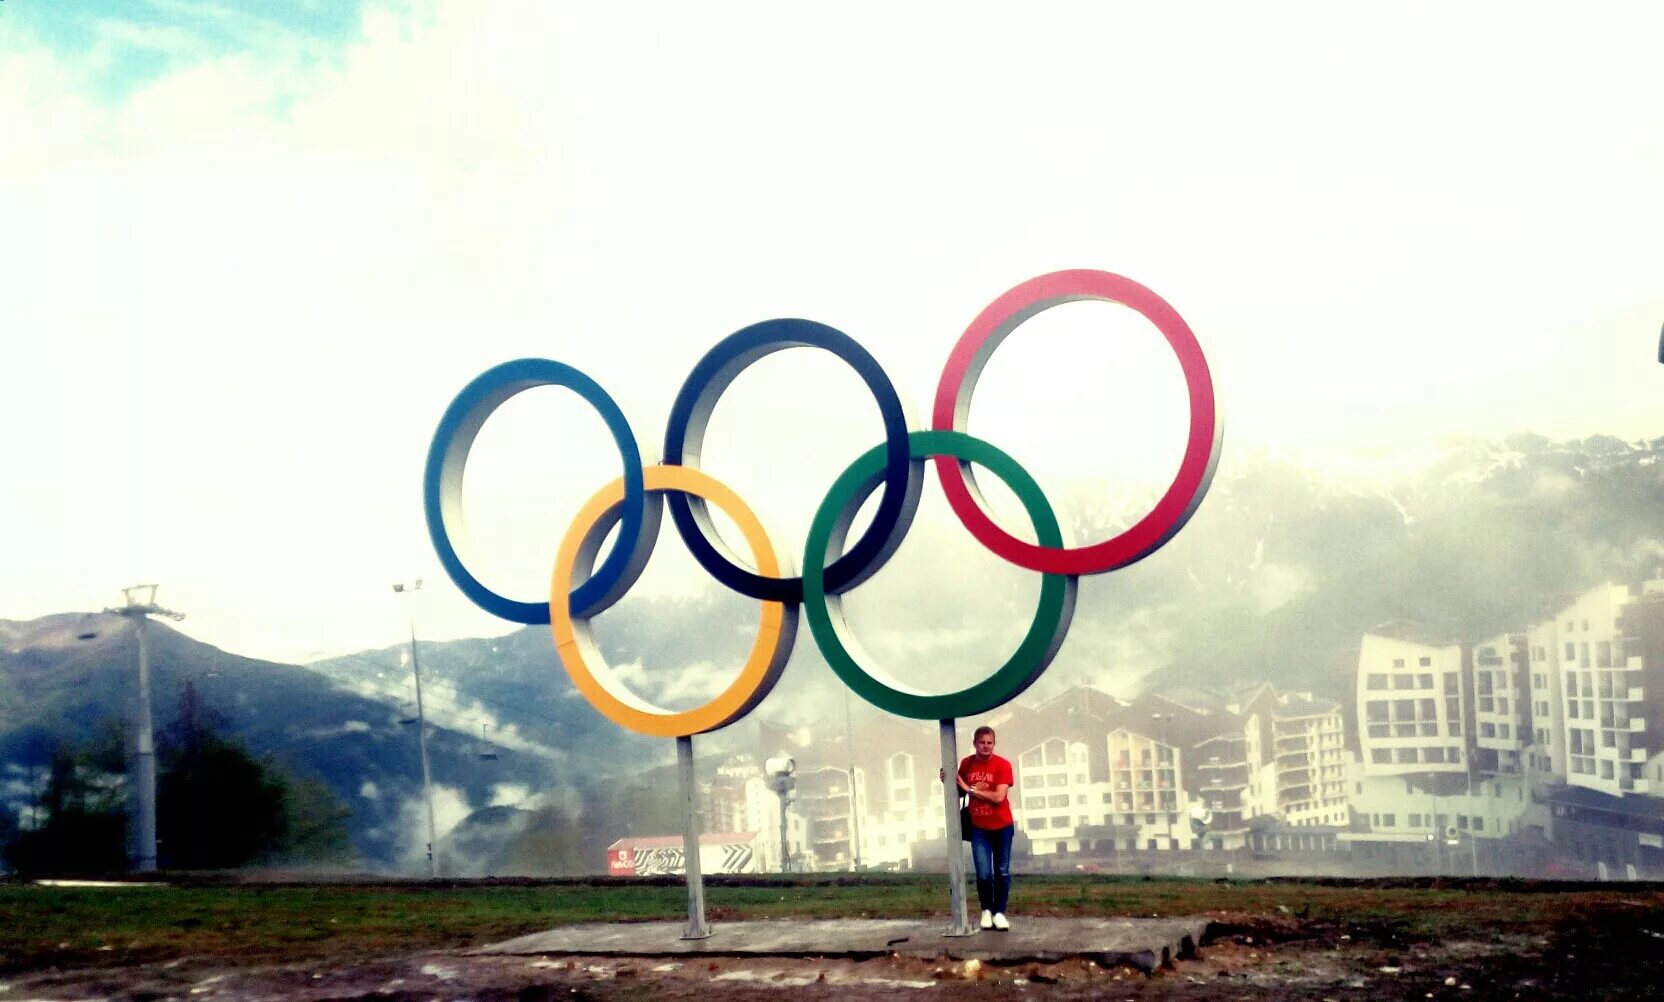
point(421, 722)
point(854, 801)
point(780, 770)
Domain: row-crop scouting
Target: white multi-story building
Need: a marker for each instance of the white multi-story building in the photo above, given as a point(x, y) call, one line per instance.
point(1309, 760)
point(1502, 717)
point(1545, 753)
point(1410, 706)
point(1053, 794)
point(1603, 698)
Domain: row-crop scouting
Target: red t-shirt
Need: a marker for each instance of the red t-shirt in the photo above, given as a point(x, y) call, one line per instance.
point(985, 775)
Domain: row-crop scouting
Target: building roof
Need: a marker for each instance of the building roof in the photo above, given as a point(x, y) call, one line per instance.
point(1303, 705)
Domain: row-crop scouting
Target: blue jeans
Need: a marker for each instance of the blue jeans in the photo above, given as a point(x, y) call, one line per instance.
point(991, 852)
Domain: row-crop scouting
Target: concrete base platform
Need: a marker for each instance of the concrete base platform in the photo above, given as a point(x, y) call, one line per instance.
point(1142, 943)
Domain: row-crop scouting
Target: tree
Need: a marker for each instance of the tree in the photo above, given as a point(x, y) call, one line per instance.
point(82, 828)
point(219, 807)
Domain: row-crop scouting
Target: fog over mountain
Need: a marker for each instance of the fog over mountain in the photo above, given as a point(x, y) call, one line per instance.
point(1276, 578)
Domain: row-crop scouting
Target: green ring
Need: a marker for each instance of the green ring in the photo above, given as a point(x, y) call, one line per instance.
point(825, 614)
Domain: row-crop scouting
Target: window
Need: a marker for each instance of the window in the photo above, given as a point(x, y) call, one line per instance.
point(1434, 754)
point(1415, 821)
point(1406, 754)
point(1451, 686)
point(1398, 662)
point(1057, 780)
point(1389, 821)
point(1571, 650)
point(1057, 800)
point(1032, 823)
point(1375, 711)
point(1030, 758)
point(1377, 681)
point(1054, 753)
point(1403, 682)
point(1478, 823)
point(1379, 756)
point(1424, 681)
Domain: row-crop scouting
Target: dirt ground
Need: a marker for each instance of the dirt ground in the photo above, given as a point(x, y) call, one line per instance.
point(1256, 959)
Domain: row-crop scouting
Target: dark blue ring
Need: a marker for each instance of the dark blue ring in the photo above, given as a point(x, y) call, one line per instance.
point(685, 432)
point(442, 485)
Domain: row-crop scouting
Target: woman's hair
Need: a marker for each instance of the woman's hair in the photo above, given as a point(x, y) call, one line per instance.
point(984, 729)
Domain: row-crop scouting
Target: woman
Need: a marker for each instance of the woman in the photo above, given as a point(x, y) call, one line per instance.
point(987, 779)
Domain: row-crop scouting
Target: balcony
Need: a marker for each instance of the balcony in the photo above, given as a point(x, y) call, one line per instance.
point(1636, 694)
point(1637, 725)
point(1636, 755)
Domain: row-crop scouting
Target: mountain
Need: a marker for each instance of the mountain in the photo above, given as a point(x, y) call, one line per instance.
point(1277, 576)
point(63, 676)
point(1282, 569)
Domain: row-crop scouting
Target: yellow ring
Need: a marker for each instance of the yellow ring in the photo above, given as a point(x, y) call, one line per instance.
point(576, 646)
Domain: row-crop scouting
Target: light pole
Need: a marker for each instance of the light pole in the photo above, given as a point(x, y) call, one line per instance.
point(140, 604)
point(780, 771)
point(421, 718)
point(854, 802)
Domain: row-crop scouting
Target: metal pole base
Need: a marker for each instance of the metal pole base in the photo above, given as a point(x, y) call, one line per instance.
point(959, 923)
point(696, 928)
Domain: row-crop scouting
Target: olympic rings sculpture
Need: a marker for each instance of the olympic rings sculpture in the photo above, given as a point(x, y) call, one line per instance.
point(579, 590)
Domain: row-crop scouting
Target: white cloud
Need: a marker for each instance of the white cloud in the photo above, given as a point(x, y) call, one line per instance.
point(243, 293)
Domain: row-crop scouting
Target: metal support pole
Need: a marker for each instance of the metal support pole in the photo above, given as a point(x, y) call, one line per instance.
point(422, 745)
point(959, 923)
point(696, 927)
point(141, 814)
point(854, 799)
point(141, 821)
point(785, 849)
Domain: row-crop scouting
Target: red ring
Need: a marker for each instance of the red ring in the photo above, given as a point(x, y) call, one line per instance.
point(953, 402)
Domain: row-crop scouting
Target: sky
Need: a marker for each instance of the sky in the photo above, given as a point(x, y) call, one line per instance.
point(249, 252)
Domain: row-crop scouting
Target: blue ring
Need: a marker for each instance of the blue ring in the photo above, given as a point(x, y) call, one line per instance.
point(442, 485)
point(685, 432)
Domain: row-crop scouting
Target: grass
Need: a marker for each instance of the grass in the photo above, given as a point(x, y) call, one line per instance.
point(257, 923)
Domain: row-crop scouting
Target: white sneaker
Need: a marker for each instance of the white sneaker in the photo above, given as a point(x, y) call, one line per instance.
point(1000, 923)
point(987, 919)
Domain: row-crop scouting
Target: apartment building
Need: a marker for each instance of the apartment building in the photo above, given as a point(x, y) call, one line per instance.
point(1411, 704)
point(1502, 705)
point(830, 804)
point(1603, 701)
point(1309, 761)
